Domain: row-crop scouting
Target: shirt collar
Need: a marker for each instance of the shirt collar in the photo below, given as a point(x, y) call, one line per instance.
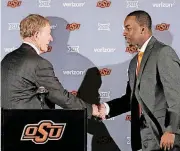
point(143, 48)
point(32, 45)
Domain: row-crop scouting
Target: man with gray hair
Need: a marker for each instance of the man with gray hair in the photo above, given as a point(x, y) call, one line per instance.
point(24, 71)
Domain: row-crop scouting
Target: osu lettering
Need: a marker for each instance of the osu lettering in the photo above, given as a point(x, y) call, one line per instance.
point(73, 26)
point(162, 26)
point(131, 49)
point(103, 4)
point(43, 131)
point(128, 117)
point(74, 92)
point(14, 3)
point(49, 48)
point(105, 71)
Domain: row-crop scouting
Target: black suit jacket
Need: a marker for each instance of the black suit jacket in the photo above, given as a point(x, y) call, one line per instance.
point(22, 72)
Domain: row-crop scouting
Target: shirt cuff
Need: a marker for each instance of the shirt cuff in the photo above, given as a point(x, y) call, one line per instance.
point(107, 108)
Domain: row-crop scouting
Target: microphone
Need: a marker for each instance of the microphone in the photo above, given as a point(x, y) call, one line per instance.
point(42, 93)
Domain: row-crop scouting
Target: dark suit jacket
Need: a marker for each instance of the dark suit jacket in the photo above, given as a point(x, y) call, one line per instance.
point(158, 86)
point(22, 72)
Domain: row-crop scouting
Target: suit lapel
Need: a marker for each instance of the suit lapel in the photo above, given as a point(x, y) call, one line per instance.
point(132, 74)
point(147, 52)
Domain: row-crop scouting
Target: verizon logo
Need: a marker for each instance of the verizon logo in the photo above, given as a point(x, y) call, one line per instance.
point(73, 72)
point(9, 49)
point(72, 4)
point(163, 5)
point(102, 49)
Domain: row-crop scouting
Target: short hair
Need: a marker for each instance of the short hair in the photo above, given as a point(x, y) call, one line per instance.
point(142, 17)
point(32, 24)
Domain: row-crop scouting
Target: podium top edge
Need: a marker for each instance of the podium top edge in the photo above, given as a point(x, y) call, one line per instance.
point(43, 109)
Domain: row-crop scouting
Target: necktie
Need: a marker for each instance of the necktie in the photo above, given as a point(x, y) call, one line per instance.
point(139, 59)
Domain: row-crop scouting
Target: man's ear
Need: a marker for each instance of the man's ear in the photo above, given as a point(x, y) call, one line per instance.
point(36, 35)
point(142, 30)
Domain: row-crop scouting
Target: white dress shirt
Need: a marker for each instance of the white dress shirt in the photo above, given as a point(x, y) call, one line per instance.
point(32, 45)
point(143, 48)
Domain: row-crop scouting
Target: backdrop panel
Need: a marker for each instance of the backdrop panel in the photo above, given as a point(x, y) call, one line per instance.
point(89, 51)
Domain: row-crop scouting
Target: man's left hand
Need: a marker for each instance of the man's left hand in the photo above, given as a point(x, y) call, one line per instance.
point(167, 140)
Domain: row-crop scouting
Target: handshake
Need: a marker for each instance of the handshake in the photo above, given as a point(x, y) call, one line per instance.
point(99, 111)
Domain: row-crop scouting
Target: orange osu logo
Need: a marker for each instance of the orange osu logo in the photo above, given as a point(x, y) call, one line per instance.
point(162, 26)
point(14, 3)
point(103, 4)
point(49, 48)
point(74, 92)
point(73, 26)
point(131, 49)
point(128, 117)
point(105, 71)
point(43, 131)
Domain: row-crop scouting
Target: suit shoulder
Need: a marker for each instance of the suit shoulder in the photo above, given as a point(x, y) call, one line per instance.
point(164, 47)
point(8, 57)
point(12, 53)
point(164, 51)
point(167, 51)
point(161, 46)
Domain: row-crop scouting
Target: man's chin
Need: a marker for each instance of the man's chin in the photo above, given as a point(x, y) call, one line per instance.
point(131, 44)
point(44, 50)
point(128, 42)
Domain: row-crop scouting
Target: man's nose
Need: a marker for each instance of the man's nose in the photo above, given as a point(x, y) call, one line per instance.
point(51, 38)
point(124, 33)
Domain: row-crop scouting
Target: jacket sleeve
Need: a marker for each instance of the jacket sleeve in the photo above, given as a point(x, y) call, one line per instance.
point(57, 94)
point(120, 105)
point(169, 72)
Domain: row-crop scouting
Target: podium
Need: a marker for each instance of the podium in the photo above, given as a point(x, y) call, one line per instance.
point(45, 130)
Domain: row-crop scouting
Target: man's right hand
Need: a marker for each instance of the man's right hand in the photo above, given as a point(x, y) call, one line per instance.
point(99, 111)
point(95, 111)
point(102, 111)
